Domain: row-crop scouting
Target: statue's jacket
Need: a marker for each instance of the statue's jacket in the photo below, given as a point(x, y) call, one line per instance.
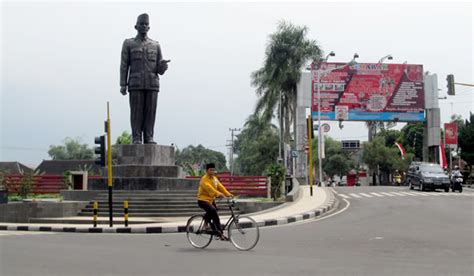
point(141, 62)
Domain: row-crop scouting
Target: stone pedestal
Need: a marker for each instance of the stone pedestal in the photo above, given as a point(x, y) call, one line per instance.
point(146, 154)
point(145, 167)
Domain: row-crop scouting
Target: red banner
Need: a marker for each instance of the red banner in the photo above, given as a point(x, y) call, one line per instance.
point(451, 134)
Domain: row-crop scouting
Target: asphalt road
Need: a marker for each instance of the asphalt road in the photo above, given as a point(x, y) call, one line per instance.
point(429, 234)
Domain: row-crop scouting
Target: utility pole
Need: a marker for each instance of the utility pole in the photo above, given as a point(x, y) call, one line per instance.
point(231, 160)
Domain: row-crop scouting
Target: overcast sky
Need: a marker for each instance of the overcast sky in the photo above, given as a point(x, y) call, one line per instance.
point(60, 63)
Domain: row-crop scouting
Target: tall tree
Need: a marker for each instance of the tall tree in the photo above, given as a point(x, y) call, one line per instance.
point(196, 157)
point(412, 139)
point(287, 53)
point(390, 136)
point(466, 140)
point(383, 159)
point(337, 161)
point(256, 146)
point(124, 139)
point(71, 150)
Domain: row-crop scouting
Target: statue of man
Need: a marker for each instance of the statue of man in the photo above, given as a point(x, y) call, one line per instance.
point(141, 62)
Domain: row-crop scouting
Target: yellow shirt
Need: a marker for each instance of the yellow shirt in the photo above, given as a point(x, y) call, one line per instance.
point(210, 188)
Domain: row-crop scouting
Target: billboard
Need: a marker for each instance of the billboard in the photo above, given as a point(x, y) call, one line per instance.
point(369, 92)
point(450, 133)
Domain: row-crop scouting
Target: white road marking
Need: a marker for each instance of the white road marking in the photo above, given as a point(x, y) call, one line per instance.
point(364, 194)
point(375, 194)
point(356, 196)
point(387, 194)
point(410, 194)
point(344, 196)
point(23, 233)
point(398, 194)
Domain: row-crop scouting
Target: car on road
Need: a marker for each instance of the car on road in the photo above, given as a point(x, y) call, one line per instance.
point(427, 176)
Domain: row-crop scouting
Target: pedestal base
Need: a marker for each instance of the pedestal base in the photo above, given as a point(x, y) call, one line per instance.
point(146, 154)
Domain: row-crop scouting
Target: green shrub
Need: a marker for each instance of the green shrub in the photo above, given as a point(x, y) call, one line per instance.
point(26, 184)
point(276, 172)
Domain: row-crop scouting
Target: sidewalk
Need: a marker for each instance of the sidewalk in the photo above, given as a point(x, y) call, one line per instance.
point(304, 207)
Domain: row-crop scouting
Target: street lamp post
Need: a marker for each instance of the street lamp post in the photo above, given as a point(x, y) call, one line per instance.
point(389, 57)
point(318, 82)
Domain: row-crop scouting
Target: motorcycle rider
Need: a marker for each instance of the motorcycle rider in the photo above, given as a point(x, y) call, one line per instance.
point(456, 172)
point(456, 179)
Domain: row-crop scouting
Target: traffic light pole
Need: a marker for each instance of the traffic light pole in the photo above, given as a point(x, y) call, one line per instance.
point(109, 166)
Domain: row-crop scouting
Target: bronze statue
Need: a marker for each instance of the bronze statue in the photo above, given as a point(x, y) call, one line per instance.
point(140, 65)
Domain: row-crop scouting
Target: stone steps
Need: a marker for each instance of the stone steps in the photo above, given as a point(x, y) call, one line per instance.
point(146, 203)
point(151, 204)
point(174, 214)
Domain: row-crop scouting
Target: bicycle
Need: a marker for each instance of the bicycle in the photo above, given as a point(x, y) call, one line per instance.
point(243, 231)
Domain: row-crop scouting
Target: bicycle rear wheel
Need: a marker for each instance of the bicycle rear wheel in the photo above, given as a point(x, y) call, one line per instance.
point(195, 234)
point(244, 233)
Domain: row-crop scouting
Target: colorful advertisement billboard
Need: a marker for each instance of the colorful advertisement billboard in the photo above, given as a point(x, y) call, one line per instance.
point(369, 92)
point(450, 133)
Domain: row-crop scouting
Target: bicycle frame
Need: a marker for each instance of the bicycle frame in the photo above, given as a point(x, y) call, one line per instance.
point(232, 215)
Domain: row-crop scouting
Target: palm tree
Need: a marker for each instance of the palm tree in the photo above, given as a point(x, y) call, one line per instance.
point(255, 125)
point(375, 126)
point(287, 53)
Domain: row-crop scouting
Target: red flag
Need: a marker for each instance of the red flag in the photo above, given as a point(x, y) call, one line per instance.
point(402, 150)
point(442, 156)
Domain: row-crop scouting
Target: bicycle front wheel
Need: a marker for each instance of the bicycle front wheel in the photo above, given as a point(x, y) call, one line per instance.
point(195, 234)
point(244, 233)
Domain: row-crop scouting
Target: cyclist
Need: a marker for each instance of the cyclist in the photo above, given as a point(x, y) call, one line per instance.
point(209, 189)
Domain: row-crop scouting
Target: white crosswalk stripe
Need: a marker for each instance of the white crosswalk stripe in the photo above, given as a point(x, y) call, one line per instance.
point(387, 194)
point(398, 194)
point(410, 194)
point(402, 194)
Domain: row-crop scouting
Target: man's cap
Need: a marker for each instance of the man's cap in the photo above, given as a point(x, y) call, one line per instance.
point(210, 166)
point(143, 16)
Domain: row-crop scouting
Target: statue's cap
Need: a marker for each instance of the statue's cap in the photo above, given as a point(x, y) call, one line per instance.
point(143, 16)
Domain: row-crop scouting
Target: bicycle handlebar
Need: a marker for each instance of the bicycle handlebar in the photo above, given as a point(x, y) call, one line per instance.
point(230, 200)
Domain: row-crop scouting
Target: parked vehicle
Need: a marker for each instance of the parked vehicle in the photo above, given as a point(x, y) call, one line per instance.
point(427, 176)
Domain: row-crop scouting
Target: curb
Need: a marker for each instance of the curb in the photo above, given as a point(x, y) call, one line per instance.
point(326, 207)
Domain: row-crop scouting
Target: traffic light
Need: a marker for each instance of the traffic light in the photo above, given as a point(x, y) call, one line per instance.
point(100, 150)
point(450, 79)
